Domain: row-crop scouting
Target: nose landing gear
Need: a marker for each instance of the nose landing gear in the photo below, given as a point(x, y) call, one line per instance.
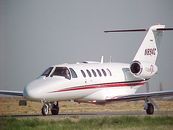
point(45, 109)
point(53, 107)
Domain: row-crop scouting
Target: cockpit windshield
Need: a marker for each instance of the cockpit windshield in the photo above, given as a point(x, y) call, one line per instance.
point(47, 72)
point(61, 71)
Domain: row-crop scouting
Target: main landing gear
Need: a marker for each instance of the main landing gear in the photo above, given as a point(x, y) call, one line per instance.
point(148, 107)
point(53, 107)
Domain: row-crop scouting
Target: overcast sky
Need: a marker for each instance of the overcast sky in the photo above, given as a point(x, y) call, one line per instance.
point(35, 34)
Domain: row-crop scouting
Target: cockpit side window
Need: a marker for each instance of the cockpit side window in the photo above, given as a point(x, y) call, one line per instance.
point(73, 73)
point(61, 71)
point(47, 72)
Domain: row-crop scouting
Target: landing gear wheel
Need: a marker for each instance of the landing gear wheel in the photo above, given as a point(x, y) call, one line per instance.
point(150, 109)
point(45, 110)
point(55, 109)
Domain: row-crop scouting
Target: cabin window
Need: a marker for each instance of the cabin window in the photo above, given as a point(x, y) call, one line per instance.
point(47, 72)
point(61, 71)
point(73, 73)
point(89, 73)
point(109, 72)
point(104, 73)
point(94, 73)
point(98, 71)
point(83, 73)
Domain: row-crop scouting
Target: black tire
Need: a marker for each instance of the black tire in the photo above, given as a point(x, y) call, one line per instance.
point(45, 110)
point(150, 109)
point(55, 109)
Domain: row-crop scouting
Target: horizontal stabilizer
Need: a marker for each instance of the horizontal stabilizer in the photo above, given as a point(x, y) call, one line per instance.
point(138, 30)
point(126, 30)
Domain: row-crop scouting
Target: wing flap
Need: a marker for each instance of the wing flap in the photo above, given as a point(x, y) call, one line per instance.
point(142, 96)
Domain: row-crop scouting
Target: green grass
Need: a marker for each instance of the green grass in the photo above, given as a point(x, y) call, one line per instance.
point(99, 123)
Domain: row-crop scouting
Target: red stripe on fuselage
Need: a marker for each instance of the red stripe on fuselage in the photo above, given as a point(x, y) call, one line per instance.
point(105, 85)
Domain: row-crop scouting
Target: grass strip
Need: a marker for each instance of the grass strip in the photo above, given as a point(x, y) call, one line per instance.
point(99, 123)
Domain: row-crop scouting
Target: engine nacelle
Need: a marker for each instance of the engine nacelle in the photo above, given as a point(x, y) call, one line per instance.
point(142, 69)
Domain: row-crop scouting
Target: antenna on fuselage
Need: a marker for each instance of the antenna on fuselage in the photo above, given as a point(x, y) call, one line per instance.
point(110, 59)
point(102, 58)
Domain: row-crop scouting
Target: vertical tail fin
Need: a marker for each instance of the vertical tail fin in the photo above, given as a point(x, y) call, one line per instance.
point(143, 65)
point(148, 50)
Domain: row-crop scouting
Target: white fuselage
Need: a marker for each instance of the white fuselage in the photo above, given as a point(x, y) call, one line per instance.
point(95, 81)
point(115, 80)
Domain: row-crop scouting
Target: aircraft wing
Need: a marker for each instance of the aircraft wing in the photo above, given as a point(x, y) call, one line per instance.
point(11, 93)
point(142, 96)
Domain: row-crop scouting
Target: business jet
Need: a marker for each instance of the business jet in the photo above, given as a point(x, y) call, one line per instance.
point(99, 82)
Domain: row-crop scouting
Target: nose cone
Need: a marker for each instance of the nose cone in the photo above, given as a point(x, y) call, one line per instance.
point(32, 91)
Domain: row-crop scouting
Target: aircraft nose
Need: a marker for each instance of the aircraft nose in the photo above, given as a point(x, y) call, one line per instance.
point(31, 91)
